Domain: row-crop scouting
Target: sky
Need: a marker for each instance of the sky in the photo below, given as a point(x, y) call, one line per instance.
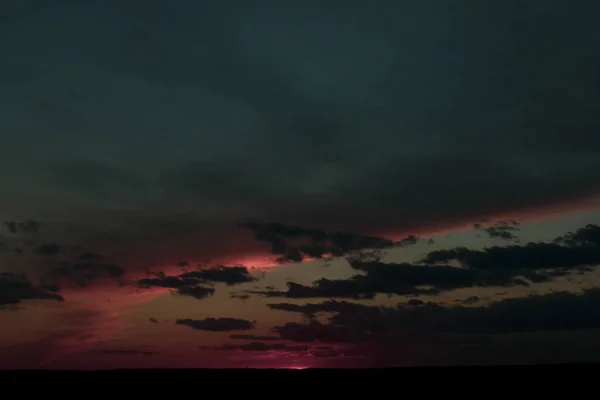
point(298, 184)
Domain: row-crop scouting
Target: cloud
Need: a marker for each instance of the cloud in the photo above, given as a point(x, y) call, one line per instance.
point(253, 337)
point(318, 332)
point(260, 346)
point(190, 283)
point(230, 275)
point(581, 249)
point(297, 351)
point(127, 352)
point(399, 279)
point(311, 309)
point(294, 243)
point(371, 119)
point(50, 249)
point(27, 227)
point(589, 235)
point(357, 323)
point(217, 324)
point(357, 287)
point(471, 300)
point(197, 292)
point(501, 229)
point(16, 288)
point(184, 286)
point(329, 127)
point(89, 256)
point(82, 272)
point(492, 266)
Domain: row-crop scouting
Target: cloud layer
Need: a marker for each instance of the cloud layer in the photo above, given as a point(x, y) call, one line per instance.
point(437, 114)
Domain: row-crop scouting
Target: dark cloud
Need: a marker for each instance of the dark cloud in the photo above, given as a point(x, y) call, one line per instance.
point(197, 292)
point(589, 235)
point(471, 300)
point(50, 249)
point(501, 229)
point(217, 324)
point(172, 282)
point(190, 283)
point(320, 124)
point(318, 332)
point(581, 249)
point(358, 287)
point(312, 309)
point(555, 311)
point(89, 256)
point(312, 350)
point(230, 275)
point(294, 243)
point(183, 286)
point(357, 323)
point(492, 266)
point(28, 227)
point(16, 288)
point(83, 272)
point(242, 297)
point(253, 337)
point(260, 346)
point(122, 352)
point(399, 279)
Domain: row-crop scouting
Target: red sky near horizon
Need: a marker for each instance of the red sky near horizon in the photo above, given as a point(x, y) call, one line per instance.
point(102, 325)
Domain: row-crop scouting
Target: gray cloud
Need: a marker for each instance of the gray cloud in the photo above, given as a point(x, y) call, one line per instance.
point(321, 123)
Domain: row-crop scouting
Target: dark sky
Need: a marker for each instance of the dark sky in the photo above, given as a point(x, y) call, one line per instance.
point(286, 110)
point(150, 129)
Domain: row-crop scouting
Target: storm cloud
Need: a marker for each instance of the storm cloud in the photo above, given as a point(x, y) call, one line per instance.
point(320, 124)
